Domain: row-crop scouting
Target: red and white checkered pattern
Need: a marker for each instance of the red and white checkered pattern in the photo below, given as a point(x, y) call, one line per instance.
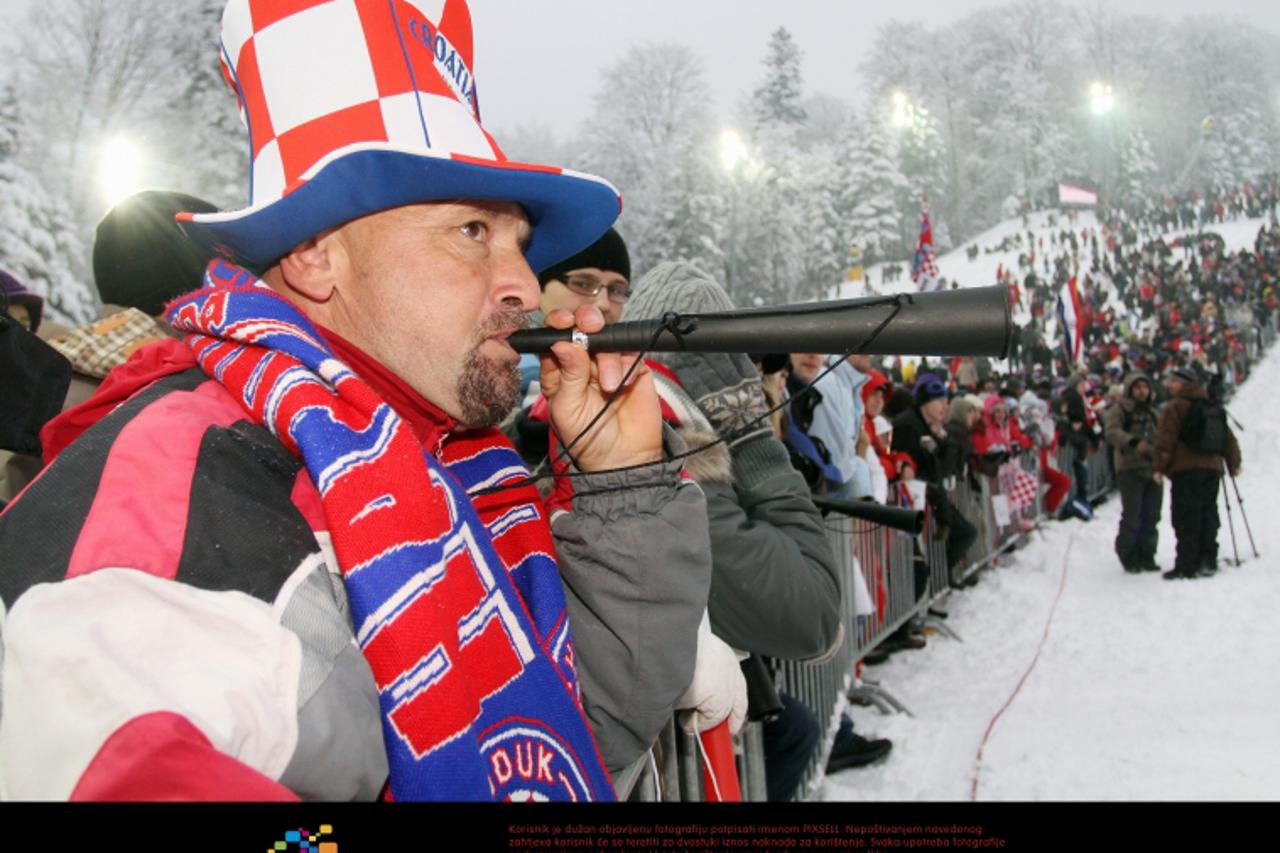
point(924, 270)
point(1019, 486)
point(316, 77)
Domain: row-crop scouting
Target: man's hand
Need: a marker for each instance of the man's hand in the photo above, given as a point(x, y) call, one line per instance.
point(577, 383)
point(1158, 478)
point(1144, 447)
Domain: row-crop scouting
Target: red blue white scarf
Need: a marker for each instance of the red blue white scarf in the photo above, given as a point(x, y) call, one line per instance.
point(457, 603)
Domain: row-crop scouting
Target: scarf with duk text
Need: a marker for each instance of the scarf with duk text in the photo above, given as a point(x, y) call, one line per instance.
point(456, 602)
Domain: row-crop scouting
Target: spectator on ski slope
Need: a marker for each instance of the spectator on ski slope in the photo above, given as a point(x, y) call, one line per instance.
point(921, 432)
point(1130, 429)
point(1193, 444)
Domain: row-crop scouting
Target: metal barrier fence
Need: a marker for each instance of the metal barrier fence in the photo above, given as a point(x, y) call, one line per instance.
point(904, 575)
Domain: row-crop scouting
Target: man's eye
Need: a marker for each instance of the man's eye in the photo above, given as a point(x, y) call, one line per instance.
point(475, 231)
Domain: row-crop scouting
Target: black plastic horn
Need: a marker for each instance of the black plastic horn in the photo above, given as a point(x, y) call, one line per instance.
point(972, 321)
point(897, 517)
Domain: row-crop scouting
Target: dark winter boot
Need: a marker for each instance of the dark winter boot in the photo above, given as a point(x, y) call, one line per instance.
point(1180, 574)
point(858, 752)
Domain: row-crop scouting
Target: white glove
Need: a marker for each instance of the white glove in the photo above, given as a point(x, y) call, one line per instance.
point(718, 689)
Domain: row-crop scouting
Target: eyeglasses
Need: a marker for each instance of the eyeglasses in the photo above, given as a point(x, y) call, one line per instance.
point(585, 285)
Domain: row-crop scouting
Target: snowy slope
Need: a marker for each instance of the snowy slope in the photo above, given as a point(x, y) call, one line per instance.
point(1145, 689)
point(981, 272)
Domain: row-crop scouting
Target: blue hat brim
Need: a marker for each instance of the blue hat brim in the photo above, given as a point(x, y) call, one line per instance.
point(567, 211)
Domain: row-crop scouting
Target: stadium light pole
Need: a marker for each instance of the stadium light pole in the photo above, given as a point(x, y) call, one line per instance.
point(903, 111)
point(1101, 99)
point(1102, 103)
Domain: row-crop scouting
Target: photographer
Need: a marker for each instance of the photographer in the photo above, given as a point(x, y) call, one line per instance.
point(1130, 429)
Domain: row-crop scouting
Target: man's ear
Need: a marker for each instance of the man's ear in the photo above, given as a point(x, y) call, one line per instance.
point(315, 267)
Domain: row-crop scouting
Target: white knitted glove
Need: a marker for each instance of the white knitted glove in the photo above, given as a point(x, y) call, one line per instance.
point(718, 690)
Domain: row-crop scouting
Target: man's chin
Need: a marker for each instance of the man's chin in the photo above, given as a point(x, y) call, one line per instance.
point(488, 390)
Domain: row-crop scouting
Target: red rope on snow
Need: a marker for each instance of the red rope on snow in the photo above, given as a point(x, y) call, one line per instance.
point(1062, 584)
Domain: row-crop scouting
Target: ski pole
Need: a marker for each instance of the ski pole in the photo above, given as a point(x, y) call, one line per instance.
point(1230, 524)
point(1245, 518)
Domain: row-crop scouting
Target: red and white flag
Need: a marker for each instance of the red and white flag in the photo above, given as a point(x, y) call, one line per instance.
point(924, 271)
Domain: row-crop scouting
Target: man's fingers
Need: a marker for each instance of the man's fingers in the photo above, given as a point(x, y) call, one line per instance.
point(559, 318)
point(573, 363)
point(588, 318)
point(609, 365)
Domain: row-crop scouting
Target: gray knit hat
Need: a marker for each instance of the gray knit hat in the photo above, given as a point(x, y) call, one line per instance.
point(676, 286)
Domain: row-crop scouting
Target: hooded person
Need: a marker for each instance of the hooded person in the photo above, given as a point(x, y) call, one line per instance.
point(895, 468)
point(1130, 430)
point(20, 304)
point(289, 556)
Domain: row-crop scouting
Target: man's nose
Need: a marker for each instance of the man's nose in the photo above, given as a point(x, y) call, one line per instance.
point(514, 280)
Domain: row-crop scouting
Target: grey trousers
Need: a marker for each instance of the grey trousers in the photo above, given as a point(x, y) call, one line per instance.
point(1140, 499)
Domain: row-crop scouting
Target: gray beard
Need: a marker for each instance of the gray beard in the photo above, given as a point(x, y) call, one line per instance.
point(488, 390)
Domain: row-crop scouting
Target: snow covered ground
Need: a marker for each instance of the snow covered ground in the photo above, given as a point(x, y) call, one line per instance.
point(981, 271)
point(1144, 689)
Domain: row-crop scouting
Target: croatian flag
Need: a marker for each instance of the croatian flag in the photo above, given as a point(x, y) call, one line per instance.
point(1069, 321)
point(924, 272)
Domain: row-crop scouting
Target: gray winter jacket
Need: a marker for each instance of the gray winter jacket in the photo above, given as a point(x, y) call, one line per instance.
point(635, 562)
point(774, 584)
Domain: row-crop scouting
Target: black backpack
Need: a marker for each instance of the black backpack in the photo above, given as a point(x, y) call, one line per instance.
point(1205, 428)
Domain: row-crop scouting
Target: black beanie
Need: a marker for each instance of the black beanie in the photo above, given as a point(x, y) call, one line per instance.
point(141, 259)
point(609, 253)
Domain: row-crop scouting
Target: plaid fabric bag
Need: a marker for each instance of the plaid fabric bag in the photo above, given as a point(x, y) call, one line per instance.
point(95, 349)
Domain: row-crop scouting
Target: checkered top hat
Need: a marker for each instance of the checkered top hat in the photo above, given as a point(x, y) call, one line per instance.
point(357, 106)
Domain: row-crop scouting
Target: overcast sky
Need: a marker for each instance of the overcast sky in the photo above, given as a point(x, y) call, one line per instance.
point(538, 61)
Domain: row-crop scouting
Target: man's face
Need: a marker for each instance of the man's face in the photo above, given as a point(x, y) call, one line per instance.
point(935, 411)
point(1140, 391)
point(433, 292)
point(807, 365)
point(861, 362)
point(576, 289)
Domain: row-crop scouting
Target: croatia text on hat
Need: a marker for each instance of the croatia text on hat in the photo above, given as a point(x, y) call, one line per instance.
point(450, 63)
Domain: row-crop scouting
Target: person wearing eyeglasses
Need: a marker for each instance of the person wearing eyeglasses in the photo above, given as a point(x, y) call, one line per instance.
point(599, 275)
